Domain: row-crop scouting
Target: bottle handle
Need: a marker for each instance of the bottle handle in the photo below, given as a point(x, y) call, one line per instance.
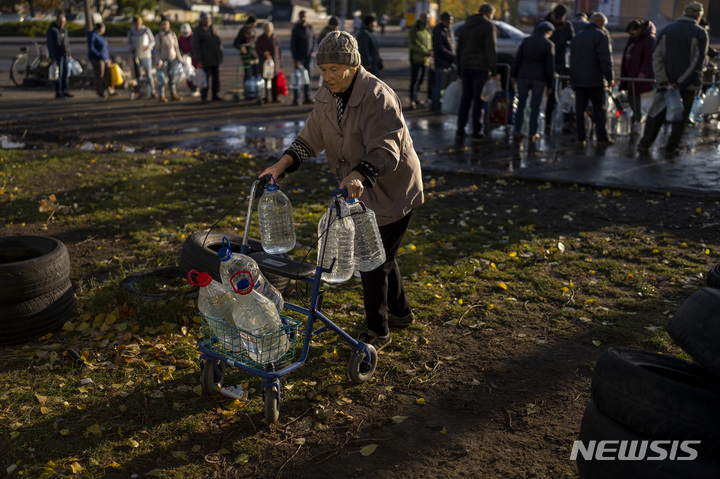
point(234, 282)
point(340, 192)
point(189, 277)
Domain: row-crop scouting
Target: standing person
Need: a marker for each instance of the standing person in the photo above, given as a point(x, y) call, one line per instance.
point(99, 57)
point(268, 42)
point(383, 21)
point(58, 45)
point(358, 121)
point(369, 46)
point(444, 52)
point(245, 43)
point(561, 37)
point(637, 63)
point(185, 43)
point(421, 50)
point(533, 70)
point(168, 55)
point(591, 73)
point(208, 51)
point(333, 25)
point(678, 60)
point(302, 46)
point(476, 62)
point(141, 43)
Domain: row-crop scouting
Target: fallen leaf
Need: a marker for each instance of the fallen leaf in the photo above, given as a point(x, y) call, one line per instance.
point(420, 401)
point(369, 449)
point(155, 472)
point(242, 459)
point(76, 467)
point(399, 419)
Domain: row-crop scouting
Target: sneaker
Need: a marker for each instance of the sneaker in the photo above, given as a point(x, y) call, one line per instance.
point(175, 97)
point(163, 99)
point(413, 105)
point(379, 342)
point(195, 94)
point(400, 321)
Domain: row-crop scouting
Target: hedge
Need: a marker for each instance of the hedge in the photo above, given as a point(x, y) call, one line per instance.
point(39, 29)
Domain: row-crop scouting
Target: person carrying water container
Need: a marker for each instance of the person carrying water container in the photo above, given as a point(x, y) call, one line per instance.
point(357, 119)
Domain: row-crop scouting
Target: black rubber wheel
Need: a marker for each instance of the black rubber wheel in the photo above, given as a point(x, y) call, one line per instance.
point(659, 396)
point(31, 266)
point(359, 370)
point(200, 253)
point(272, 405)
point(211, 380)
point(695, 327)
point(597, 426)
point(164, 272)
point(28, 320)
point(713, 277)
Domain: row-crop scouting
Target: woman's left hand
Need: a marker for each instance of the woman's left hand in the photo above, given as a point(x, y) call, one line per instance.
point(353, 183)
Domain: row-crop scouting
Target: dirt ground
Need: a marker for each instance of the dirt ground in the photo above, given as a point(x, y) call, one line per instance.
point(504, 403)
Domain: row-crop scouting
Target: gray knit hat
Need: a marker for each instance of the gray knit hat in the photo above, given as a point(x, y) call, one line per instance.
point(338, 47)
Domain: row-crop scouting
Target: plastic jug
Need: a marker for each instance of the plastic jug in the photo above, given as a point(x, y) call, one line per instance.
point(277, 230)
point(261, 337)
point(216, 303)
point(231, 263)
point(339, 244)
point(368, 252)
point(488, 90)
point(711, 105)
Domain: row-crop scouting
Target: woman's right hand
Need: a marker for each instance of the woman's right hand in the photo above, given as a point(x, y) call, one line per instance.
point(277, 169)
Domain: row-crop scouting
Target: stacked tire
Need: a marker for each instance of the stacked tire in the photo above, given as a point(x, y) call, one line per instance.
point(36, 295)
point(669, 405)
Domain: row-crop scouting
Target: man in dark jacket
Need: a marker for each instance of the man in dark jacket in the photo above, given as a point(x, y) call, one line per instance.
point(637, 63)
point(58, 45)
point(476, 60)
point(591, 72)
point(444, 51)
point(533, 69)
point(369, 47)
point(208, 52)
point(561, 37)
point(302, 47)
point(678, 60)
point(245, 42)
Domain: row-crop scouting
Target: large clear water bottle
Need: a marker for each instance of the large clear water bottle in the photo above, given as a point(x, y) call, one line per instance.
point(257, 315)
point(711, 104)
point(216, 303)
point(369, 252)
point(339, 246)
point(624, 127)
point(697, 107)
point(277, 230)
point(489, 89)
point(557, 120)
point(231, 263)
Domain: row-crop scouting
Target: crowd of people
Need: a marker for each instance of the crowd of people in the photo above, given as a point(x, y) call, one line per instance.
point(559, 52)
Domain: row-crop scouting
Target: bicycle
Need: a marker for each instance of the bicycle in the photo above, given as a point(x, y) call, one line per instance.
point(23, 68)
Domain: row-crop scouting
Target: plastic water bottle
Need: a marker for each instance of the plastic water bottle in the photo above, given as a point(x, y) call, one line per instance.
point(216, 303)
point(231, 263)
point(540, 123)
point(625, 122)
point(488, 90)
point(369, 252)
point(557, 120)
point(711, 105)
point(339, 246)
point(697, 107)
point(259, 321)
point(277, 230)
point(54, 71)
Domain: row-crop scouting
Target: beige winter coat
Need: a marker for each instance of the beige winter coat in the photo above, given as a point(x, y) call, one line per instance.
point(166, 46)
point(373, 130)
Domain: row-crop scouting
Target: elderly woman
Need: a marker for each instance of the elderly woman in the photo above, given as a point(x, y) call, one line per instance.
point(358, 121)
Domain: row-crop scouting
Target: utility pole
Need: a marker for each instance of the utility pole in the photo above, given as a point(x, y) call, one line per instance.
point(88, 17)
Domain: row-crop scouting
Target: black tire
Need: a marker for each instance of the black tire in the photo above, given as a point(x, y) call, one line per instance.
point(200, 250)
point(695, 327)
point(31, 266)
point(659, 396)
point(129, 284)
point(211, 380)
point(713, 277)
point(597, 426)
point(359, 370)
point(272, 405)
point(28, 320)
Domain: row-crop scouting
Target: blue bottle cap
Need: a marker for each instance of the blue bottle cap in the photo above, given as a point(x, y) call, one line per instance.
point(225, 253)
point(271, 187)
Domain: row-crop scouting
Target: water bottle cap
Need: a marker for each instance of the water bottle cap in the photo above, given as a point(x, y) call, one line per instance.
point(225, 253)
point(271, 187)
point(350, 202)
point(202, 279)
point(242, 282)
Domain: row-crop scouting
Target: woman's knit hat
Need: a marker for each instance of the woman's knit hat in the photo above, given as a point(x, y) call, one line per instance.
point(338, 47)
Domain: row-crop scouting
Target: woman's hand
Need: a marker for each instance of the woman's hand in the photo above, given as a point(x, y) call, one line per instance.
point(278, 168)
point(353, 183)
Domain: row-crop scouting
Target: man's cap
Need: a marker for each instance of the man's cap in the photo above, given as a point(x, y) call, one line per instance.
point(333, 22)
point(694, 6)
point(545, 27)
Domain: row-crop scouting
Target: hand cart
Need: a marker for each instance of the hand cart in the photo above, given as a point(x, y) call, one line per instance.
point(224, 344)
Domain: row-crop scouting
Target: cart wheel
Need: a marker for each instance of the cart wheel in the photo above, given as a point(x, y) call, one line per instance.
point(272, 411)
point(359, 369)
point(211, 381)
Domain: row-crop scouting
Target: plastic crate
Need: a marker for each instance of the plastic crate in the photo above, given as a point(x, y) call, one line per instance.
point(230, 342)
